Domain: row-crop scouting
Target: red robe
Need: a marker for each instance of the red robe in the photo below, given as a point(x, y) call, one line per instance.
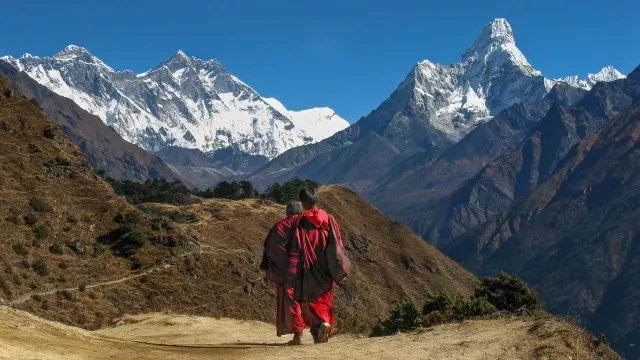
point(275, 263)
point(317, 261)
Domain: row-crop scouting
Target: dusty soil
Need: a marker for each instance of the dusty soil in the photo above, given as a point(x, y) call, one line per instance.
point(165, 336)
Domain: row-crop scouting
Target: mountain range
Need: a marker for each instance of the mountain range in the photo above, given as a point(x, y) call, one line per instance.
point(432, 109)
point(495, 164)
point(184, 102)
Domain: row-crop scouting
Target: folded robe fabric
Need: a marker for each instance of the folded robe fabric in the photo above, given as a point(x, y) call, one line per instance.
point(316, 252)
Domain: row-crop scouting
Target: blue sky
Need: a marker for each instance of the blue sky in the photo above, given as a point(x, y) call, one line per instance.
point(348, 55)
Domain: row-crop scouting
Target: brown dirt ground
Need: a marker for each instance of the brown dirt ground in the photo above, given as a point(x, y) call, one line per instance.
point(165, 336)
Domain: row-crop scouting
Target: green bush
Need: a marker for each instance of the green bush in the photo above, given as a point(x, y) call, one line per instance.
point(508, 293)
point(20, 249)
point(39, 205)
point(40, 267)
point(56, 248)
point(137, 237)
point(64, 295)
point(158, 190)
point(30, 219)
point(502, 293)
point(40, 232)
point(403, 316)
point(129, 218)
point(289, 190)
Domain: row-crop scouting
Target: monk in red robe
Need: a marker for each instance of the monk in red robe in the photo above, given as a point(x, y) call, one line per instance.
point(317, 254)
point(275, 263)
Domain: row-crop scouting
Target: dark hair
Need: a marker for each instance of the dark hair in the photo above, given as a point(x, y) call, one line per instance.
point(308, 196)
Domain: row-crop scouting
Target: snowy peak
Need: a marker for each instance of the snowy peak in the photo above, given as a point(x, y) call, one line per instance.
point(498, 32)
point(320, 122)
point(496, 45)
point(608, 73)
point(185, 101)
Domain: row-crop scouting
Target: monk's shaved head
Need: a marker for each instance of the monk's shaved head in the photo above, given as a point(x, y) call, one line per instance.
point(308, 198)
point(294, 208)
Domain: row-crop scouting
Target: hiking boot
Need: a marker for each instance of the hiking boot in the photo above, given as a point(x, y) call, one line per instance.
point(324, 331)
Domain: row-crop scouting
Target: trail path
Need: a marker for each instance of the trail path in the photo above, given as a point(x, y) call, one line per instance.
point(162, 336)
point(131, 276)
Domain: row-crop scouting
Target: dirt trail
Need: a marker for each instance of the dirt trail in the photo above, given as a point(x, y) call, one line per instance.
point(161, 336)
point(128, 277)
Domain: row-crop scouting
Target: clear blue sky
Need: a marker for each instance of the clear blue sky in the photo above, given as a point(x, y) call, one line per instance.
point(348, 55)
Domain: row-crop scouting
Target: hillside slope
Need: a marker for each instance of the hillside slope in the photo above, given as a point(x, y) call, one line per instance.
point(576, 237)
point(157, 336)
point(73, 251)
point(61, 226)
point(104, 148)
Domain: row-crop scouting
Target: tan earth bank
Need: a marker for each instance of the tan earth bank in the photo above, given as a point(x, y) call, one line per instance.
point(165, 336)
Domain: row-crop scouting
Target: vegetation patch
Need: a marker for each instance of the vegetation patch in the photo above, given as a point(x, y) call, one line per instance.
point(40, 232)
point(56, 248)
point(492, 295)
point(39, 205)
point(30, 219)
point(40, 267)
point(20, 249)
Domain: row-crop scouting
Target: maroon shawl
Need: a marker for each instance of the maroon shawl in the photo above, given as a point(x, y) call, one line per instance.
point(317, 260)
point(275, 262)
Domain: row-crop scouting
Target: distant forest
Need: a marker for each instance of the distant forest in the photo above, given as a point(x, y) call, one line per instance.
point(174, 192)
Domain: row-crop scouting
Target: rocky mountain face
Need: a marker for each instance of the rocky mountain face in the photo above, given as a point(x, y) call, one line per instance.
point(576, 236)
point(103, 147)
point(185, 102)
point(518, 171)
point(432, 109)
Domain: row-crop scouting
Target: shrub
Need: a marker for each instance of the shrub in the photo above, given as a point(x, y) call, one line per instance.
point(20, 249)
point(72, 219)
point(507, 293)
point(39, 205)
point(41, 232)
point(137, 237)
point(49, 133)
point(30, 219)
point(289, 190)
point(33, 148)
point(182, 217)
point(64, 295)
point(6, 287)
point(13, 218)
point(56, 248)
point(40, 267)
point(129, 218)
point(158, 190)
point(502, 293)
point(403, 316)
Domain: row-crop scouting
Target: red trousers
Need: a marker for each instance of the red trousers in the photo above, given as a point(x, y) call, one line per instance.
point(319, 311)
point(292, 316)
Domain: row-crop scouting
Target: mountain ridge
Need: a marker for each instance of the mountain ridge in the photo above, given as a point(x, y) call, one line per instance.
point(184, 101)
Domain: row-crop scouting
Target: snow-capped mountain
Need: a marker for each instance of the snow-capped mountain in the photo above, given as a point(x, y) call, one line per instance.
point(493, 74)
point(608, 73)
point(321, 122)
point(184, 101)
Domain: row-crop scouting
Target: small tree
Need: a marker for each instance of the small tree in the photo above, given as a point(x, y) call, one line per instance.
point(247, 189)
point(507, 293)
